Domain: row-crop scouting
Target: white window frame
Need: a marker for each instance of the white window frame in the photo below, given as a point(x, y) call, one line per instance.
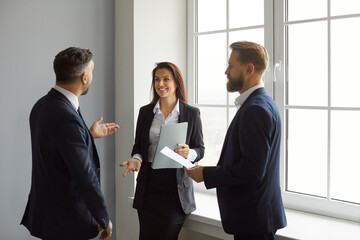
point(192, 58)
point(191, 47)
point(274, 81)
point(303, 202)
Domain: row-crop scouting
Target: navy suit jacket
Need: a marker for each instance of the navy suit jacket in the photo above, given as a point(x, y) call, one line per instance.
point(247, 174)
point(194, 139)
point(65, 200)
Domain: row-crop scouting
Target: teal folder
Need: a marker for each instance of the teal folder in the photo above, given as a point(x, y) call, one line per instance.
point(170, 136)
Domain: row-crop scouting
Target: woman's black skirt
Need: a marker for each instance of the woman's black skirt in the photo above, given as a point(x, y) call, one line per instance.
point(162, 202)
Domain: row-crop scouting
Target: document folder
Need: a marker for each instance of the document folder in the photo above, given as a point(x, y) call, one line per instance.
point(170, 136)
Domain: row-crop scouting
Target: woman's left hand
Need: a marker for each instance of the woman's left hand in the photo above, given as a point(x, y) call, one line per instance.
point(183, 151)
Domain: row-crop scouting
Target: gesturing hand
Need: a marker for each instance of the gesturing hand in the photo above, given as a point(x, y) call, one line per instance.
point(133, 165)
point(99, 130)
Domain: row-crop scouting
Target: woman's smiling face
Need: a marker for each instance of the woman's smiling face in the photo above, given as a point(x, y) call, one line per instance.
point(165, 85)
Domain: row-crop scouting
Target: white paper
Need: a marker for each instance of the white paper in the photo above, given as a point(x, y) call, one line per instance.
point(176, 157)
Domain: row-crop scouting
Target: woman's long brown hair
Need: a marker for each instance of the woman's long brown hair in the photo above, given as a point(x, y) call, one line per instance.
point(179, 81)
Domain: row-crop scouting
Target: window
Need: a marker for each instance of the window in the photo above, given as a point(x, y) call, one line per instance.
point(213, 25)
point(312, 76)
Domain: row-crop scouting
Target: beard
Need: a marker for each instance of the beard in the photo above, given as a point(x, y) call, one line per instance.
point(235, 85)
point(85, 91)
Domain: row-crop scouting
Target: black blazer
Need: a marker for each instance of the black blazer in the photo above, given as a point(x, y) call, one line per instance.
point(65, 200)
point(194, 139)
point(247, 175)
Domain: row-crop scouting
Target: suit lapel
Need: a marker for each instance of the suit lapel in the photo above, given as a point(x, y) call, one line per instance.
point(95, 153)
point(149, 117)
point(59, 95)
point(221, 159)
point(183, 113)
point(237, 115)
point(180, 173)
point(258, 91)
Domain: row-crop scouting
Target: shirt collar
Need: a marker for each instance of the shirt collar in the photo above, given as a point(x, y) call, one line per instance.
point(242, 98)
point(175, 110)
point(70, 96)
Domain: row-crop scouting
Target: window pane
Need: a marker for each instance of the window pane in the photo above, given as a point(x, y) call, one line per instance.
point(214, 130)
point(306, 9)
point(342, 7)
point(211, 15)
point(307, 64)
point(345, 162)
point(211, 67)
point(307, 151)
point(253, 35)
point(243, 13)
point(345, 51)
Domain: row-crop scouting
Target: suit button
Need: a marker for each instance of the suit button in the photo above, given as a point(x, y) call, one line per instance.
point(98, 170)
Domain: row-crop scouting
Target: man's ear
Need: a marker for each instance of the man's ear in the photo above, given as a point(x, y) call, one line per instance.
point(250, 69)
point(84, 78)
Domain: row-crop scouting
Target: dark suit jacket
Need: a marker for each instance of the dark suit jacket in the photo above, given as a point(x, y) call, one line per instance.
point(194, 139)
point(65, 200)
point(247, 175)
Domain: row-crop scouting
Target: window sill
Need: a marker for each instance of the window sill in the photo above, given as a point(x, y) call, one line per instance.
point(301, 225)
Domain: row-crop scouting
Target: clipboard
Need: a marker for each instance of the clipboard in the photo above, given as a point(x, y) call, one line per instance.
point(170, 136)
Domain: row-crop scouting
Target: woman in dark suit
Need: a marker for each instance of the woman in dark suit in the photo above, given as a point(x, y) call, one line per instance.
point(164, 197)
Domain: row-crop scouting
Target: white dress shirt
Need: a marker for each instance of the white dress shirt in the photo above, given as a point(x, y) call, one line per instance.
point(154, 133)
point(70, 96)
point(242, 98)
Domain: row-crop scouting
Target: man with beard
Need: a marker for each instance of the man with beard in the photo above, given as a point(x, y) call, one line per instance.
point(65, 200)
point(247, 174)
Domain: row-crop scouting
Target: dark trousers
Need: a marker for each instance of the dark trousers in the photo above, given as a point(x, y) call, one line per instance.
point(162, 216)
point(264, 236)
point(150, 229)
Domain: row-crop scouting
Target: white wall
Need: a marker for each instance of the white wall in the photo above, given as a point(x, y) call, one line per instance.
point(146, 32)
point(32, 33)
point(160, 35)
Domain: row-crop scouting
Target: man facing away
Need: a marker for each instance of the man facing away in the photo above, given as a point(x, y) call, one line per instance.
point(65, 200)
point(247, 174)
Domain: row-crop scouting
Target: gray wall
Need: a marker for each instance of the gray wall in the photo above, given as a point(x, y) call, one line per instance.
point(32, 33)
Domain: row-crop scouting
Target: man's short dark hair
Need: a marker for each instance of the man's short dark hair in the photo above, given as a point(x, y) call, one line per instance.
point(69, 64)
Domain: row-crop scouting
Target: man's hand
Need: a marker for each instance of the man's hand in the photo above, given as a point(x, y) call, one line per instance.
point(99, 130)
point(195, 173)
point(105, 234)
point(133, 165)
